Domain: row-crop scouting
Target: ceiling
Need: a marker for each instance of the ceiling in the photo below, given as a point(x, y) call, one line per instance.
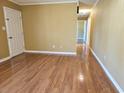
point(28, 2)
point(89, 2)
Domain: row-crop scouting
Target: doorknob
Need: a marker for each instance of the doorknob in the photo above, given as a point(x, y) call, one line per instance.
point(10, 37)
point(7, 19)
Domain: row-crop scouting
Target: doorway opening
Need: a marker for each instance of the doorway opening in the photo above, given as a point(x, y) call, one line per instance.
point(83, 31)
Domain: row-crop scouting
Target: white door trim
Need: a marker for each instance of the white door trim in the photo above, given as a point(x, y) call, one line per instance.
point(4, 8)
point(88, 31)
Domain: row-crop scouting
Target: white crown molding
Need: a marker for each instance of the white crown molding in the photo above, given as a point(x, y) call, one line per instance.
point(50, 52)
point(63, 2)
point(14, 2)
point(95, 4)
point(120, 90)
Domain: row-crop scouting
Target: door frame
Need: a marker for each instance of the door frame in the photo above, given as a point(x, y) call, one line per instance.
point(87, 31)
point(6, 25)
point(89, 21)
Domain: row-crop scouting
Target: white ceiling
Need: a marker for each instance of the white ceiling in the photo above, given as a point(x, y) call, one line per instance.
point(89, 1)
point(28, 2)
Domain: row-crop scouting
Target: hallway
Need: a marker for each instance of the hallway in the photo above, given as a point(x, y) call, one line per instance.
point(40, 73)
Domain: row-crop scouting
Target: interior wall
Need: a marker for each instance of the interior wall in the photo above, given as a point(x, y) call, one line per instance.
point(4, 50)
point(108, 36)
point(50, 27)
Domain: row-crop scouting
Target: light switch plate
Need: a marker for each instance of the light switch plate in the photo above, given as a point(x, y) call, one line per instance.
point(3, 28)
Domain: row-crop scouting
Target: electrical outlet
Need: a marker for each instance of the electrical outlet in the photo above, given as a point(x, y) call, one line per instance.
point(53, 46)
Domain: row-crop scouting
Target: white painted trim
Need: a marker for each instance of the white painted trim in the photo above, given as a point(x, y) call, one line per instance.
point(78, 3)
point(62, 2)
point(5, 59)
point(14, 2)
point(95, 4)
point(85, 32)
point(50, 52)
point(77, 31)
point(89, 21)
point(108, 73)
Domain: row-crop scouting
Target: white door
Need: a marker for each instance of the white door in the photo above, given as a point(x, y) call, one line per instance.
point(14, 30)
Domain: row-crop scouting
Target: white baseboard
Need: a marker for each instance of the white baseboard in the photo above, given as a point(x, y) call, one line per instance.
point(108, 73)
point(4, 59)
point(51, 52)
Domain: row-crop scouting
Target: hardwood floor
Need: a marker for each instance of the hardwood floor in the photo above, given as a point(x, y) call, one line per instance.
point(37, 73)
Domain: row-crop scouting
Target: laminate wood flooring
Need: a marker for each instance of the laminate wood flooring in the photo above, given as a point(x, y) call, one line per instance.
point(41, 73)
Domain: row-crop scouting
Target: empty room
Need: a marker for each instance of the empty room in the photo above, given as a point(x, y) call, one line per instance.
point(61, 46)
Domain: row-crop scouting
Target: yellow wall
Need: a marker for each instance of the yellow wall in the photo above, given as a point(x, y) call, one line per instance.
point(108, 36)
point(4, 51)
point(48, 25)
